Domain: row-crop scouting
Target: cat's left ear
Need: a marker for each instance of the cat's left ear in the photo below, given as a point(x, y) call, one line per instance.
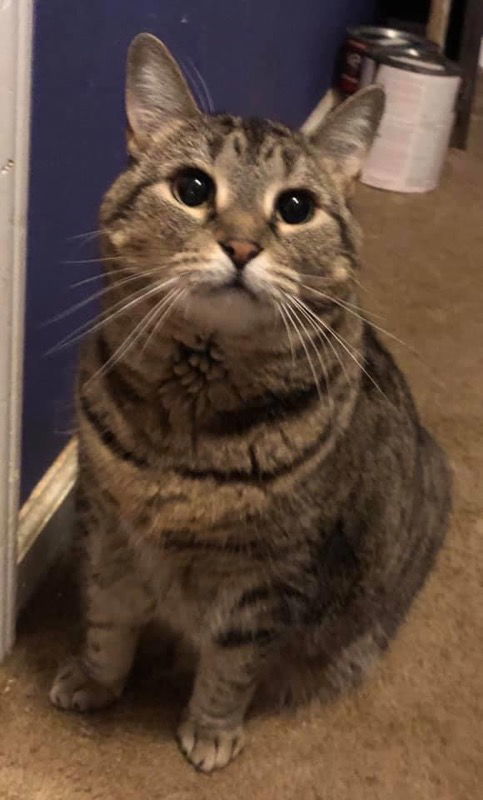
point(345, 135)
point(156, 90)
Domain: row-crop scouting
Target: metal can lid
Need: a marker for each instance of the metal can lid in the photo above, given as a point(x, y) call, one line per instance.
point(416, 51)
point(381, 36)
point(415, 60)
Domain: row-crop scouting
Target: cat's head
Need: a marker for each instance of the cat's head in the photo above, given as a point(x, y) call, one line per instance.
point(230, 216)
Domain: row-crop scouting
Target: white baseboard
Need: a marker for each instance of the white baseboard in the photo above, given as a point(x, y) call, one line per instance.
point(46, 522)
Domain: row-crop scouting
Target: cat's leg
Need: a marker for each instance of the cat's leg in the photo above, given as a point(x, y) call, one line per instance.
point(117, 606)
point(211, 731)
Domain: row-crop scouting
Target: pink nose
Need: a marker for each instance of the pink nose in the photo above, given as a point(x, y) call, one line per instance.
point(241, 251)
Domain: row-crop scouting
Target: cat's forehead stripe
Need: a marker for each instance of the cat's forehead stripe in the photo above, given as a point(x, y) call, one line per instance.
point(257, 139)
point(289, 158)
point(237, 145)
point(216, 145)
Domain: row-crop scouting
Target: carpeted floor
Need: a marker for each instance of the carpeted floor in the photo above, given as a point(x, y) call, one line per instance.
point(413, 732)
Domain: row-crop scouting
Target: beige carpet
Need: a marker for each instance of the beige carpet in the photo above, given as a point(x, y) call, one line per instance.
point(414, 732)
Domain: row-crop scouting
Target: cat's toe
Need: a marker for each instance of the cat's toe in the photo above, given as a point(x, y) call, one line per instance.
point(73, 689)
point(209, 749)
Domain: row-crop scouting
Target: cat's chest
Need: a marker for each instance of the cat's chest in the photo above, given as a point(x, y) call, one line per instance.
point(183, 586)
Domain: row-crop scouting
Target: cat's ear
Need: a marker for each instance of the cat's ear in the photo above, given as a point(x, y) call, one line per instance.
point(345, 135)
point(156, 90)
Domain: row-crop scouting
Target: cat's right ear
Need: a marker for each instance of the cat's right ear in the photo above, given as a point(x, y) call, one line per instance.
point(156, 90)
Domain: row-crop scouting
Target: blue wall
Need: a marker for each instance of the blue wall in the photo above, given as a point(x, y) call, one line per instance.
point(270, 57)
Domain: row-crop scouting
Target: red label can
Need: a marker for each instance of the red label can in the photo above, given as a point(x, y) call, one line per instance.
point(352, 57)
point(364, 39)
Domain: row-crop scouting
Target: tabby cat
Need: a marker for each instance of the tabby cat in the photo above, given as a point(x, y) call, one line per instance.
point(252, 469)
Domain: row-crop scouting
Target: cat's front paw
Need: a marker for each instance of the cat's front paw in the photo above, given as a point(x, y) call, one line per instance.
point(73, 689)
point(207, 748)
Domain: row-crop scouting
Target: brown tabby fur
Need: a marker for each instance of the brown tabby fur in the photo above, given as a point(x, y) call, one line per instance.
point(252, 467)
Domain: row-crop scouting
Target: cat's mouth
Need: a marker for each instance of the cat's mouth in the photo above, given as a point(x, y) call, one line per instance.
point(238, 284)
point(230, 305)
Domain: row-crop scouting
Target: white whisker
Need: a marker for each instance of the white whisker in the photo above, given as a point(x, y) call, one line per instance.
point(324, 337)
point(101, 275)
point(180, 293)
point(352, 352)
point(335, 299)
point(354, 310)
point(318, 353)
point(91, 298)
point(85, 236)
point(93, 260)
point(361, 314)
point(282, 312)
point(210, 106)
point(132, 338)
point(295, 319)
point(88, 327)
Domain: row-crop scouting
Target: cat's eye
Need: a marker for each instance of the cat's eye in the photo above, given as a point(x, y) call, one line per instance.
point(193, 187)
point(295, 206)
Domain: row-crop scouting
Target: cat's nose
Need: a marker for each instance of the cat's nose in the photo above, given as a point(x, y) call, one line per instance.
point(241, 251)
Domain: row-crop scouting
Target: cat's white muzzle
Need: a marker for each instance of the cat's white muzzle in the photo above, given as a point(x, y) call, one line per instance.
point(221, 298)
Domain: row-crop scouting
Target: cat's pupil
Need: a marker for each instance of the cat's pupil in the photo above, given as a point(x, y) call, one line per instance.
point(295, 206)
point(193, 187)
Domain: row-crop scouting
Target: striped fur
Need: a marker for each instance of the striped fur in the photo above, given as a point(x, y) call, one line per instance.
point(252, 467)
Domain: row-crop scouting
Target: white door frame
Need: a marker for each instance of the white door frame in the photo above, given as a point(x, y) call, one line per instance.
point(16, 28)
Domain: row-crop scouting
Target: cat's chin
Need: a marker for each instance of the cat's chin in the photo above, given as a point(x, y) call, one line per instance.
point(228, 311)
